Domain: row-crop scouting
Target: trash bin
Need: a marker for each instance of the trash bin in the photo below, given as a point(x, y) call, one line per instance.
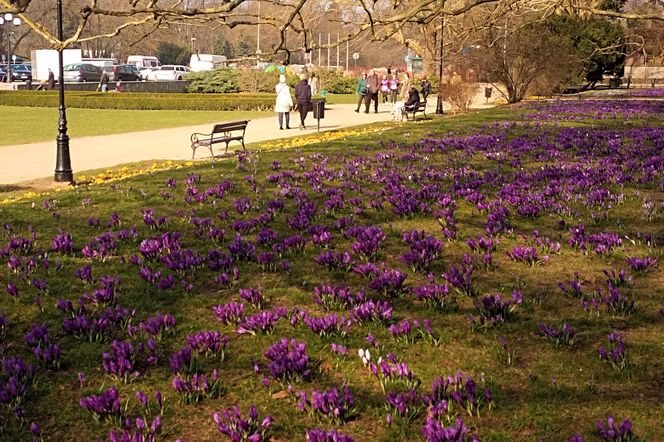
point(319, 108)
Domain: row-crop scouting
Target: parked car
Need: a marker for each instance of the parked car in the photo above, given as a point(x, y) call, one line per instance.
point(149, 73)
point(124, 72)
point(169, 72)
point(3, 74)
point(21, 72)
point(145, 72)
point(81, 72)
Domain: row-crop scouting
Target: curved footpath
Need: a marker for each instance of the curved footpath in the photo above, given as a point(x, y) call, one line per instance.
point(26, 162)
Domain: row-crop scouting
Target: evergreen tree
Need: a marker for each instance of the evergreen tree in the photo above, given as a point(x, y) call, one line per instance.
point(170, 53)
point(221, 46)
point(598, 42)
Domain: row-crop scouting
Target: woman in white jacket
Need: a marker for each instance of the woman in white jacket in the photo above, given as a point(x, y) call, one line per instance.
point(284, 102)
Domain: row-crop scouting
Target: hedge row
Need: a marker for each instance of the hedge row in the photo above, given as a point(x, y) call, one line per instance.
point(141, 101)
point(140, 94)
point(255, 81)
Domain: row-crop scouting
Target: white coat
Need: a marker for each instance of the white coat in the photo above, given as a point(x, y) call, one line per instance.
point(284, 101)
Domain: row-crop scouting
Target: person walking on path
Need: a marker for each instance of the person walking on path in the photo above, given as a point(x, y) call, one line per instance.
point(303, 97)
point(284, 102)
point(361, 90)
point(373, 85)
point(394, 88)
point(405, 86)
point(103, 82)
point(51, 79)
point(384, 88)
point(313, 83)
point(426, 88)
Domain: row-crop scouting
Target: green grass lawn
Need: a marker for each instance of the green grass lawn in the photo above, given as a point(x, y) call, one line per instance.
point(35, 124)
point(546, 391)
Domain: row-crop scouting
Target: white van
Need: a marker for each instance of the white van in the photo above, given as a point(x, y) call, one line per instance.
point(143, 61)
point(206, 62)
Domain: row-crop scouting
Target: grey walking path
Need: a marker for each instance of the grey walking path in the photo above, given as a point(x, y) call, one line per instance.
point(26, 162)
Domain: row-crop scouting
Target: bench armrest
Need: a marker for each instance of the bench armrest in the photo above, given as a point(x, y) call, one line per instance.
point(196, 136)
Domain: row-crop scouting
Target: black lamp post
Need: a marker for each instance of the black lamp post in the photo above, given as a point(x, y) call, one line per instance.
point(63, 172)
point(439, 101)
point(7, 21)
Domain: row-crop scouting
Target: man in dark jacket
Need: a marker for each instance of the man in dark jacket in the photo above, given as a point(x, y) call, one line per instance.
point(411, 104)
point(373, 85)
point(426, 88)
point(303, 98)
point(413, 100)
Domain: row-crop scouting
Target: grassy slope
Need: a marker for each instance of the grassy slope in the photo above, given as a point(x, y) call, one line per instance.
point(528, 405)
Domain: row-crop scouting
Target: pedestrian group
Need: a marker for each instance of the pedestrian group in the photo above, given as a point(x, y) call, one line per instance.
point(394, 87)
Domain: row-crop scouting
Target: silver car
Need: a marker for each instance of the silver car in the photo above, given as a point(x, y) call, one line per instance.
point(81, 72)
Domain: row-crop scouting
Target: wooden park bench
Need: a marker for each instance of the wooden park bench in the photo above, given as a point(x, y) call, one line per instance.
point(421, 108)
point(221, 133)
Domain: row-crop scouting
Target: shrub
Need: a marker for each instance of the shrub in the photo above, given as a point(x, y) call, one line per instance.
point(335, 83)
point(460, 94)
point(222, 81)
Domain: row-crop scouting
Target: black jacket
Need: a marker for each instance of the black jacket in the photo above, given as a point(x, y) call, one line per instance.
point(303, 92)
point(413, 98)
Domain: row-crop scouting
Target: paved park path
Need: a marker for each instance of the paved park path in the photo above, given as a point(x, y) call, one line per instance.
point(27, 162)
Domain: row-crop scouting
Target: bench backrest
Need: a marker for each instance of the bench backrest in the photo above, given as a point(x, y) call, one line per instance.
point(227, 127)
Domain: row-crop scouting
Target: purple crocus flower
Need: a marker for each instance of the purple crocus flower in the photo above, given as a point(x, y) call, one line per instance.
point(104, 405)
point(319, 435)
point(229, 313)
point(288, 359)
point(642, 265)
point(238, 428)
point(611, 432)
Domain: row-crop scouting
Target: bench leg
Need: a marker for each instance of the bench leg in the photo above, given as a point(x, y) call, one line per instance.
point(211, 153)
point(243, 148)
point(193, 151)
point(226, 151)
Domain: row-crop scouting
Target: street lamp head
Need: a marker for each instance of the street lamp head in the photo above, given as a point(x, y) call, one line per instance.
point(8, 17)
point(16, 21)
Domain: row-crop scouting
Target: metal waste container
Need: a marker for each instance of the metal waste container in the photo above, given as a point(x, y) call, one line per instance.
point(319, 108)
